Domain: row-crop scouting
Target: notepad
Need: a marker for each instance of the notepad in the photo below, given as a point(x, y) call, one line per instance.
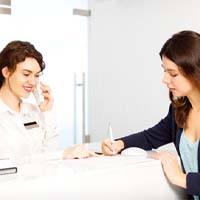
point(7, 167)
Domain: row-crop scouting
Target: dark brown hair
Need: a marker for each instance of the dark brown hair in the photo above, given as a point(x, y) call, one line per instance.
point(16, 52)
point(183, 48)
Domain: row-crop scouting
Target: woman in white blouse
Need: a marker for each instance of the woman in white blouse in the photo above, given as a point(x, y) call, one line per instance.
point(27, 129)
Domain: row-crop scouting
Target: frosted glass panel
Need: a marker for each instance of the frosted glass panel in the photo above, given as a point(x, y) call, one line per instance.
point(62, 39)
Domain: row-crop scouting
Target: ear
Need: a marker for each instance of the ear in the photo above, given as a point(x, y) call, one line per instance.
point(5, 72)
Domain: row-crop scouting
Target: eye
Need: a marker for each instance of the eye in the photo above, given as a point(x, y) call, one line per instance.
point(38, 75)
point(174, 75)
point(26, 74)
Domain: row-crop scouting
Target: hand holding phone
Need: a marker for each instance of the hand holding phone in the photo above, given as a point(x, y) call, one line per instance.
point(43, 97)
point(38, 95)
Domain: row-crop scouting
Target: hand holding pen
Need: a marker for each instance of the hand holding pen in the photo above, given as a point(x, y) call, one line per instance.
point(111, 147)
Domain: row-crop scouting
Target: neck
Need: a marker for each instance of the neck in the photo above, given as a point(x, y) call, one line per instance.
point(195, 101)
point(10, 99)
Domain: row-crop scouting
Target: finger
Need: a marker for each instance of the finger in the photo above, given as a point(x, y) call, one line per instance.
point(82, 155)
point(45, 88)
point(107, 151)
point(87, 154)
point(104, 145)
point(107, 142)
point(68, 156)
point(70, 153)
point(92, 153)
point(81, 151)
point(110, 145)
point(46, 95)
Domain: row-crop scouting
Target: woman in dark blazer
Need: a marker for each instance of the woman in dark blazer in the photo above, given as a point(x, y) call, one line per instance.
point(180, 57)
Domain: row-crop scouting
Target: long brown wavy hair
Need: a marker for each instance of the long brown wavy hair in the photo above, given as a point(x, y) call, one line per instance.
point(183, 48)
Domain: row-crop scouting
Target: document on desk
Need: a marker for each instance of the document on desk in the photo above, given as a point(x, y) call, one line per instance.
point(7, 167)
point(103, 162)
point(70, 167)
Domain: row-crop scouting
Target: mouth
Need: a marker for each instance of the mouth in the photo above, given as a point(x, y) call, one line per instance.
point(28, 88)
point(171, 89)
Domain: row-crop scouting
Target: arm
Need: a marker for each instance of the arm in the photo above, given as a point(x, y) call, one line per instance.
point(193, 183)
point(49, 128)
point(174, 173)
point(154, 137)
point(160, 134)
point(171, 167)
point(48, 120)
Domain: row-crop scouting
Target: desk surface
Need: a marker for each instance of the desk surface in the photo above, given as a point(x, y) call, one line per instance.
point(117, 177)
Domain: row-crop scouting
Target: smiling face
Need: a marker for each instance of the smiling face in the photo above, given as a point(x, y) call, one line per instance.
point(23, 80)
point(178, 84)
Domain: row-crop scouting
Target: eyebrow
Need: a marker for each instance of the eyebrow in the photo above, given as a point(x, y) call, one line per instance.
point(27, 70)
point(169, 70)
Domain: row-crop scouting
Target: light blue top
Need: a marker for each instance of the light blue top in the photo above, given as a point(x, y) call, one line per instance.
point(189, 155)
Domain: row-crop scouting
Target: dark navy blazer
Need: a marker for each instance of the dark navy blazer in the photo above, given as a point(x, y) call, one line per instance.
point(164, 132)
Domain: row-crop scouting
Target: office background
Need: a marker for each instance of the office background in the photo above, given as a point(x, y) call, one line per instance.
point(116, 47)
point(125, 75)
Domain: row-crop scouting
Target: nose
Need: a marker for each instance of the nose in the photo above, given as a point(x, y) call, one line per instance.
point(166, 78)
point(33, 80)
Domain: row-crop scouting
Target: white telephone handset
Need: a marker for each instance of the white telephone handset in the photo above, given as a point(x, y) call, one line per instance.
point(37, 94)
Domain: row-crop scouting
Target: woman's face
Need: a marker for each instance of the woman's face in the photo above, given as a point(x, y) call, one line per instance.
point(178, 84)
point(24, 79)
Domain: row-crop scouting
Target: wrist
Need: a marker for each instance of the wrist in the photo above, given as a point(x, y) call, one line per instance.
point(120, 145)
point(182, 180)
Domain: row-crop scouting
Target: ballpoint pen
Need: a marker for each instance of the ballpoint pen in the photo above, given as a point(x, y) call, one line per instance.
point(111, 136)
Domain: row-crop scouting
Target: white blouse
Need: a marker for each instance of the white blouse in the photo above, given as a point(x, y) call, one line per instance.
point(26, 133)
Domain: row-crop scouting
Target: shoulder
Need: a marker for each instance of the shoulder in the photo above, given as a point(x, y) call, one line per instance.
point(169, 119)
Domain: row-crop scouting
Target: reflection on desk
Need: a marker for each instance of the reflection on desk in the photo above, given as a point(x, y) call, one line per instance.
point(103, 177)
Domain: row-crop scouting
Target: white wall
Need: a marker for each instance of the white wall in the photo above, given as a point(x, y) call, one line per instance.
point(124, 74)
